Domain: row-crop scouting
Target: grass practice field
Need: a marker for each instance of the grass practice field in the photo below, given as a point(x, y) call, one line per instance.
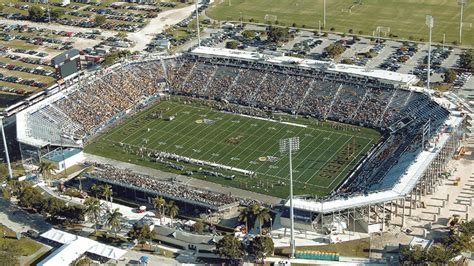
point(328, 150)
point(405, 17)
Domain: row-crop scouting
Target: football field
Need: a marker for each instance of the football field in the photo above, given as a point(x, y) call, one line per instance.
point(406, 18)
point(327, 151)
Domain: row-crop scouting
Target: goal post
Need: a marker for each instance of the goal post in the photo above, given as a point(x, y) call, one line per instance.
point(269, 18)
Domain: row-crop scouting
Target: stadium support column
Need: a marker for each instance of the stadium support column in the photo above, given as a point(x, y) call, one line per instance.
point(411, 203)
point(5, 146)
point(403, 212)
point(383, 216)
point(368, 217)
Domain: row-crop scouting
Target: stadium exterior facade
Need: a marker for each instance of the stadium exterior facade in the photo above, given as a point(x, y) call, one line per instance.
point(414, 174)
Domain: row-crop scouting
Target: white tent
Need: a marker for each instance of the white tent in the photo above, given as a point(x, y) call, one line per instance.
point(74, 246)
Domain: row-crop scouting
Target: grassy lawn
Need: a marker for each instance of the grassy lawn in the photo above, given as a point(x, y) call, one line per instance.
point(202, 133)
point(18, 86)
point(68, 171)
point(353, 248)
point(20, 63)
point(26, 75)
point(405, 17)
point(26, 245)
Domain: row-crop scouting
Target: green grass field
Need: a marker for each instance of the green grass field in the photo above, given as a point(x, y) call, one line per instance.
point(203, 133)
point(406, 18)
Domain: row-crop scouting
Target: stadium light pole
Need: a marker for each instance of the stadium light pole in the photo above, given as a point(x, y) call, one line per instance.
point(288, 146)
point(461, 3)
point(5, 146)
point(429, 23)
point(324, 14)
point(197, 22)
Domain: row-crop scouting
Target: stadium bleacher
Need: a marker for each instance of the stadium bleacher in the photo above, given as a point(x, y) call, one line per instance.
point(325, 95)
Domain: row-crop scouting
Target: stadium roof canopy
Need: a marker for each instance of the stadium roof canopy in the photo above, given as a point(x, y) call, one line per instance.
point(387, 76)
point(404, 183)
point(74, 246)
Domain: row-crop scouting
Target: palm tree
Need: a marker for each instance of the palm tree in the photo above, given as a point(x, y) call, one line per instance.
point(173, 210)
point(107, 193)
point(159, 203)
point(96, 189)
point(113, 220)
point(92, 210)
point(81, 175)
point(262, 216)
point(46, 169)
point(246, 216)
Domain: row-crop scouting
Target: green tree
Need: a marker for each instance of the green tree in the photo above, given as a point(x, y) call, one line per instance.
point(335, 49)
point(246, 216)
point(107, 193)
point(160, 204)
point(173, 209)
point(35, 13)
point(3, 172)
point(30, 197)
point(52, 206)
point(450, 76)
point(113, 220)
point(249, 34)
point(140, 232)
point(84, 261)
point(232, 44)
point(96, 190)
point(262, 216)
point(92, 210)
point(230, 247)
point(261, 247)
point(467, 60)
point(57, 13)
point(198, 227)
point(82, 174)
point(46, 170)
point(412, 256)
point(440, 254)
point(277, 34)
point(100, 20)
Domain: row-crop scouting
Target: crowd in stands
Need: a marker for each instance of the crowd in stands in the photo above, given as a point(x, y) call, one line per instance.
point(95, 103)
point(164, 188)
point(334, 96)
point(255, 89)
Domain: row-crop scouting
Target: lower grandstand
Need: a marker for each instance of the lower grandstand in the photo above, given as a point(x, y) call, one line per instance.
point(418, 130)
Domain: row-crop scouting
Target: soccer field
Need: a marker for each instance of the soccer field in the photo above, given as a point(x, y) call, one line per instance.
point(406, 18)
point(328, 151)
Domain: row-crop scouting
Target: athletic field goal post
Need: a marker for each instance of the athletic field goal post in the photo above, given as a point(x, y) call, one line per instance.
point(270, 18)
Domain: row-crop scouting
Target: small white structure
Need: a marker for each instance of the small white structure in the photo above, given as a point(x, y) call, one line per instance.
point(65, 2)
point(423, 243)
point(64, 158)
point(74, 246)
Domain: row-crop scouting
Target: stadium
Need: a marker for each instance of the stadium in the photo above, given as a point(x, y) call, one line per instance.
point(372, 144)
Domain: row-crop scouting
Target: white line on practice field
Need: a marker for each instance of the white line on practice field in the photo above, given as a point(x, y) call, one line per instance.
point(271, 120)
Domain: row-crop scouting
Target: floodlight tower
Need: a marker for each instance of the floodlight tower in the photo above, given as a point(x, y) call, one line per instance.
point(5, 146)
point(289, 146)
point(429, 23)
point(461, 3)
point(324, 14)
point(197, 22)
